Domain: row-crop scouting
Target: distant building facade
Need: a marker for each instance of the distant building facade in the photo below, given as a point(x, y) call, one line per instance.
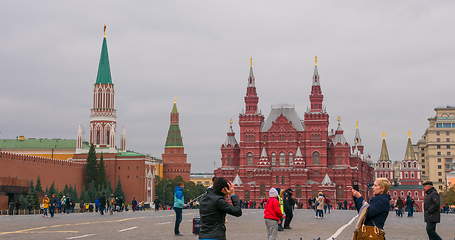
point(436, 148)
point(202, 178)
point(285, 151)
point(408, 181)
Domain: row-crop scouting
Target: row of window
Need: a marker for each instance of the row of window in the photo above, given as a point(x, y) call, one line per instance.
point(439, 140)
point(439, 147)
point(416, 194)
point(448, 153)
point(445, 125)
point(282, 158)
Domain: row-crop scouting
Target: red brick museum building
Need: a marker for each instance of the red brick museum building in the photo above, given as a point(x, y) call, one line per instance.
point(282, 150)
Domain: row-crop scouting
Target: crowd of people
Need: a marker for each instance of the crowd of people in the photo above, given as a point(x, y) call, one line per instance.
point(279, 209)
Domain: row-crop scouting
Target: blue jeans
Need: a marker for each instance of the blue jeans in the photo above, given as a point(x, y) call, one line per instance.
point(178, 219)
point(410, 211)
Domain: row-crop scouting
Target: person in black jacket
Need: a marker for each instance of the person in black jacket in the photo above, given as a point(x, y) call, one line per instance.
point(213, 209)
point(431, 205)
point(379, 205)
point(289, 203)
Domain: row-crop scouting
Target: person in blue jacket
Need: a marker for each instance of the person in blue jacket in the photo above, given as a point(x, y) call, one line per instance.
point(379, 205)
point(179, 203)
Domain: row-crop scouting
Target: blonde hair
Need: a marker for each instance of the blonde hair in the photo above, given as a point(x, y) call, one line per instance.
point(384, 183)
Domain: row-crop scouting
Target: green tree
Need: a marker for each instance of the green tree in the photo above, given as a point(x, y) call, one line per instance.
point(165, 189)
point(90, 167)
point(32, 197)
point(118, 190)
point(101, 180)
point(52, 190)
point(38, 187)
point(448, 197)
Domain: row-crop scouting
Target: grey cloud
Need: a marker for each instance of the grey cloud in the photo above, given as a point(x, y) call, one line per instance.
point(387, 64)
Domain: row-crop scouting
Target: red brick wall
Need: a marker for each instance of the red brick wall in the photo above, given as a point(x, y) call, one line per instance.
point(3, 201)
point(28, 168)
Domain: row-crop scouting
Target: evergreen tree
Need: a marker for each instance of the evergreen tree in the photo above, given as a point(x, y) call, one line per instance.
point(32, 197)
point(73, 193)
point(101, 173)
point(38, 187)
point(52, 189)
point(119, 191)
point(90, 167)
point(66, 190)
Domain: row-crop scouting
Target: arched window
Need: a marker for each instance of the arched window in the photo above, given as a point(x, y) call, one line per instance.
point(412, 174)
point(406, 175)
point(416, 194)
point(283, 180)
point(249, 158)
point(282, 159)
point(415, 165)
point(273, 159)
point(291, 158)
point(402, 194)
point(409, 164)
point(108, 136)
point(395, 194)
point(97, 136)
point(315, 157)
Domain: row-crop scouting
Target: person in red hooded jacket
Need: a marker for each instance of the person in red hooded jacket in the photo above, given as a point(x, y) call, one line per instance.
point(272, 214)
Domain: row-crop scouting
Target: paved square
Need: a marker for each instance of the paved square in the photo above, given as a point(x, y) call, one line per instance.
point(159, 225)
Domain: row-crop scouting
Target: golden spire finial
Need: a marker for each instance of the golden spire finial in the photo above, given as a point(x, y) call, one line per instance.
point(251, 62)
point(339, 118)
point(175, 100)
point(383, 135)
point(231, 122)
point(315, 60)
point(105, 34)
point(357, 124)
point(409, 134)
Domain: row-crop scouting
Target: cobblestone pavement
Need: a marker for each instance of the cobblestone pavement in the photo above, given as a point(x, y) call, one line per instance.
point(159, 225)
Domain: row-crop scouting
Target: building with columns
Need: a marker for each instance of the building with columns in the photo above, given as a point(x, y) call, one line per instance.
point(282, 150)
point(434, 149)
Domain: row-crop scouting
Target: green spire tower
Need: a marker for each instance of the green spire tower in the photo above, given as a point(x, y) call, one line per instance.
point(104, 69)
point(174, 136)
point(174, 157)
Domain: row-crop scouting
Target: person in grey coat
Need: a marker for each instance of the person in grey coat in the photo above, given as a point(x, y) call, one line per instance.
point(431, 205)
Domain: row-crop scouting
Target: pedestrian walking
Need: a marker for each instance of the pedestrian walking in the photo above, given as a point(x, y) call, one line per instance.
point(320, 201)
point(134, 204)
point(400, 205)
point(45, 202)
point(431, 205)
point(68, 203)
point(272, 214)
point(213, 209)
point(372, 215)
point(289, 203)
point(53, 204)
point(102, 206)
point(410, 206)
point(179, 203)
point(157, 204)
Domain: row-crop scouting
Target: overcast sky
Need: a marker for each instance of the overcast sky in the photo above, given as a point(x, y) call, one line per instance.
point(387, 64)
